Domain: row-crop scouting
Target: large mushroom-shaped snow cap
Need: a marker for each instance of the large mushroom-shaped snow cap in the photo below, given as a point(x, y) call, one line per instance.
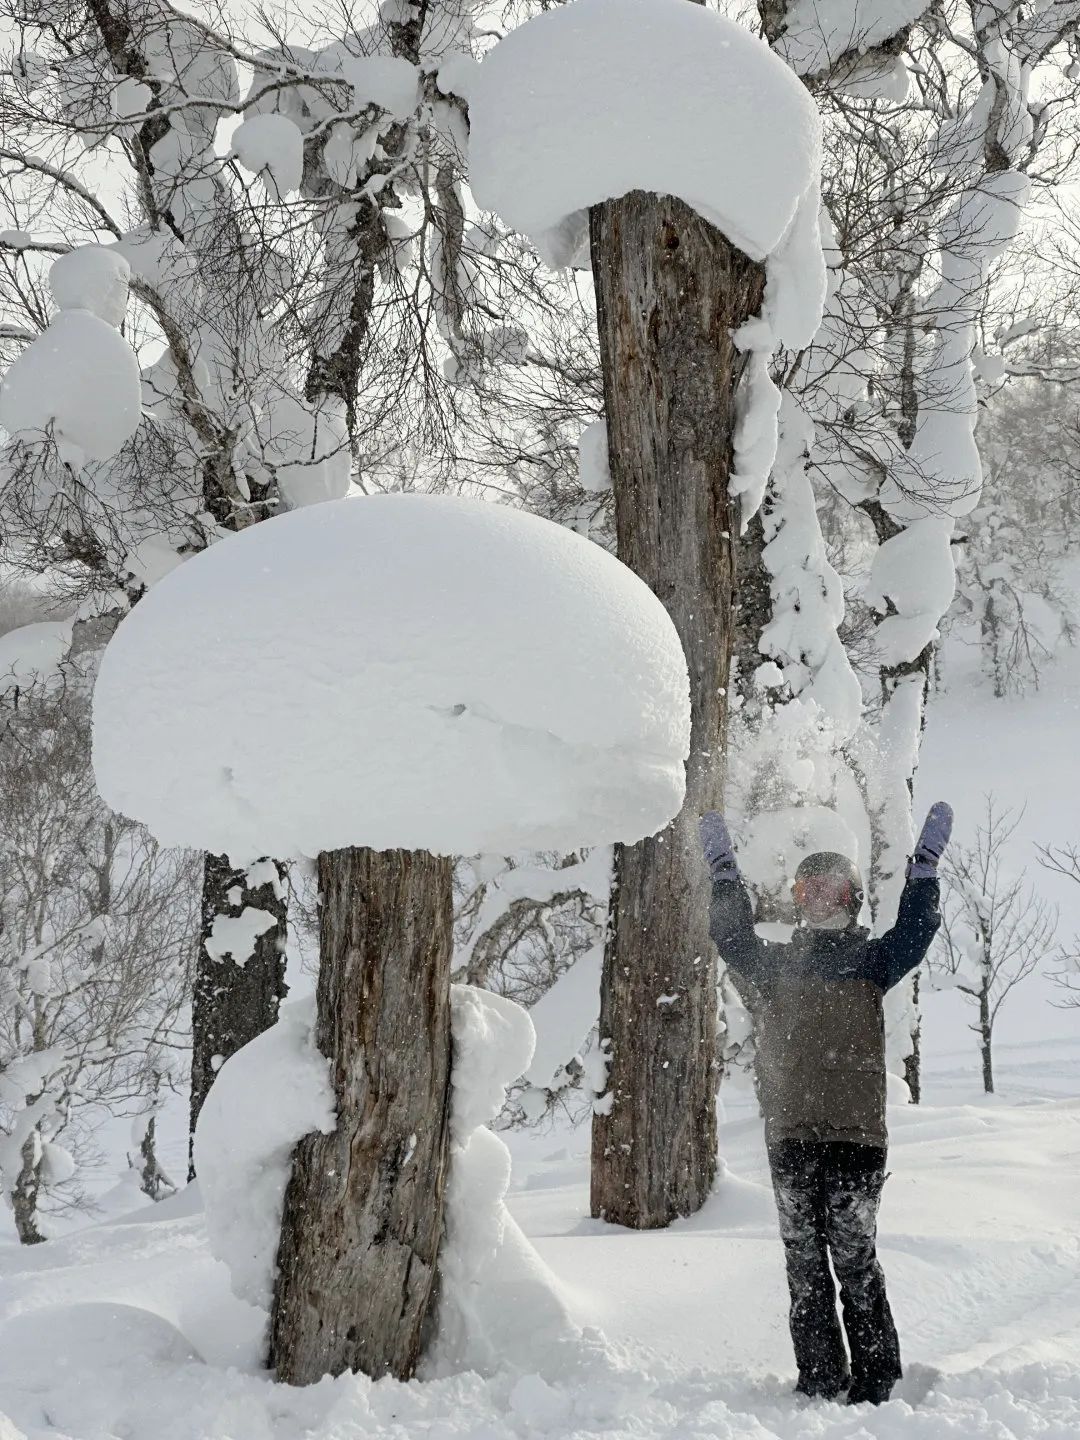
point(588, 101)
point(395, 671)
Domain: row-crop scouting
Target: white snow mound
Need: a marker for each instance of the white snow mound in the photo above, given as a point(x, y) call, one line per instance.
point(493, 1045)
point(396, 671)
point(591, 100)
point(494, 1041)
point(92, 278)
point(102, 1335)
point(34, 652)
point(264, 1100)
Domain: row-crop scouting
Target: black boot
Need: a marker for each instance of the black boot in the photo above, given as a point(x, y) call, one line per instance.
point(870, 1392)
point(817, 1389)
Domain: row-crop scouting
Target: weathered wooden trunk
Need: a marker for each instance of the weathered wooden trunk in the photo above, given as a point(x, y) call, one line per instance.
point(670, 289)
point(232, 1003)
point(363, 1213)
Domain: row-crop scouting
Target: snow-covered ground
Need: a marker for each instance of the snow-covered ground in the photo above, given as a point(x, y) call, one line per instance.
point(679, 1334)
point(979, 1239)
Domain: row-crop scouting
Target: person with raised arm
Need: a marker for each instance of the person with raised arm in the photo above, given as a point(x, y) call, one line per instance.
point(821, 1082)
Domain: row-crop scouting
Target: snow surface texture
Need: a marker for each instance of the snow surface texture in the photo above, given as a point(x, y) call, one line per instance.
point(92, 278)
point(807, 594)
point(594, 470)
point(306, 449)
point(912, 583)
point(79, 380)
point(441, 674)
point(128, 1329)
point(577, 106)
point(265, 1099)
point(943, 459)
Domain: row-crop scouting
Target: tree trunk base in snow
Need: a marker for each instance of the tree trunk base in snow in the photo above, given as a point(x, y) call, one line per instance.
point(232, 1003)
point(670, 290)
point(363, 1214)
point(986, 1046)
point(24, 1197)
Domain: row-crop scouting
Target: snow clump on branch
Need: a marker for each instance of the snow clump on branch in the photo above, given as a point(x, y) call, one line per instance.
point(819, 34)
point(79, 380)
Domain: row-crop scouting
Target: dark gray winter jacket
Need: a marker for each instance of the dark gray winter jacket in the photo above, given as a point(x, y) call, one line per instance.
point(819, 1021)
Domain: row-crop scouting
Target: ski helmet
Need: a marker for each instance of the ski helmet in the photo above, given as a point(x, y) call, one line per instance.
point(826, 883)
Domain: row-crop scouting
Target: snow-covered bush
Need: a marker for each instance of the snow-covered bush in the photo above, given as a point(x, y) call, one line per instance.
point(96, 949)
point(996, 929)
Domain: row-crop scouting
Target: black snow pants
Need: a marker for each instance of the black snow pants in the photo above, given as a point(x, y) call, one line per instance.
point(827, 1196)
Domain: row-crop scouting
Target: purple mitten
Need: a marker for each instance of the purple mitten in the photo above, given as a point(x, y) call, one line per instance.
point(930, 846)
point(717, 847)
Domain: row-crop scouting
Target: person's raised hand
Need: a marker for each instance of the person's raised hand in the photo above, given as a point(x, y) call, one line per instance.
point(717, 847)
point(933, 838)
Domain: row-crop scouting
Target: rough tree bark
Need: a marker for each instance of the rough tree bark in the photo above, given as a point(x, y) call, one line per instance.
point(670, 290)
point(233, 1003)
point(753, 610)
point(364, 1208)
point(363, 1213)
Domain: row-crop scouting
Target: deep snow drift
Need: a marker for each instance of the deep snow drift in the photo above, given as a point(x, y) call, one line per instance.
point(350, 673)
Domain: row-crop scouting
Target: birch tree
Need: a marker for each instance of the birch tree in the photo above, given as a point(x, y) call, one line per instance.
point(996, 930)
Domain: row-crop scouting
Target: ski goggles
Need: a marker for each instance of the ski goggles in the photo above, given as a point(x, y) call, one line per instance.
point(822, 894)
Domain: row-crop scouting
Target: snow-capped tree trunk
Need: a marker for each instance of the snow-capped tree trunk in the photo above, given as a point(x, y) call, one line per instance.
point(670, 290)
point(234, 999)
point(364, 1210)
point(363, 1213)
